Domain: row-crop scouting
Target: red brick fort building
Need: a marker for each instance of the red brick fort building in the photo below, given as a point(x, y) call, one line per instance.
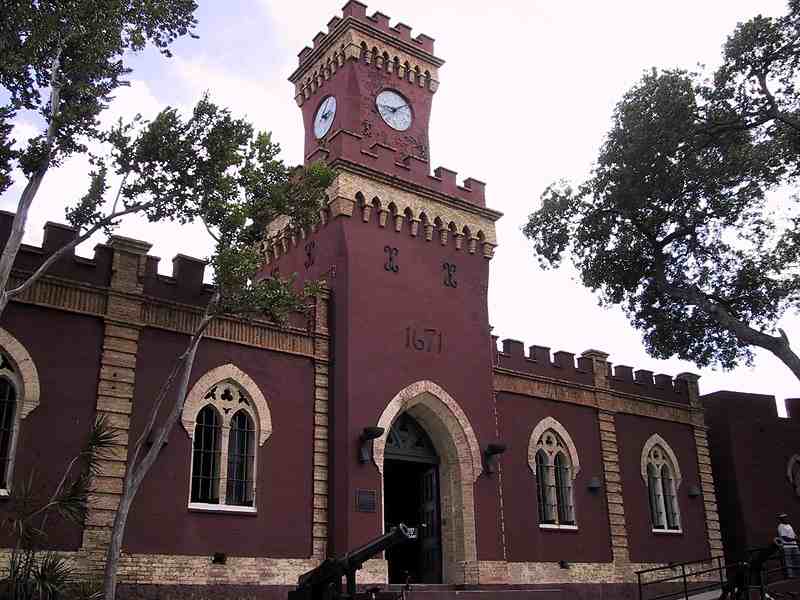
point(520, 468)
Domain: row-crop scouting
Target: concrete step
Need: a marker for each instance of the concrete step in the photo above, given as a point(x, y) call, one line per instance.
point(448, 592)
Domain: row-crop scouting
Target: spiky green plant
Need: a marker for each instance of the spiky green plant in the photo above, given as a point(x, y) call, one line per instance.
point(36, 574)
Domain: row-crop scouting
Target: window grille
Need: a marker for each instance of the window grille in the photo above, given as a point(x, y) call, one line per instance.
point(793, 473)
point(563, 489)
point(670, 501)
point(205, 456)
point(661, 490)
point(554, 481)
point(241, 457)
point(544, 488)
point(8, 409)
point(656, 502)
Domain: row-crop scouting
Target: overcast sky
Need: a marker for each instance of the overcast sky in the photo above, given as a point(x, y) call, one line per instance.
point(525, 98)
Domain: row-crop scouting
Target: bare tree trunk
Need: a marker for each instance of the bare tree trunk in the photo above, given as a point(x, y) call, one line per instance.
point(14, 242)
point(136, 472)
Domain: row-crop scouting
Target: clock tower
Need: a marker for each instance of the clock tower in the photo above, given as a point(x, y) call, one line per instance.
point(368, 79)
point(405, 253)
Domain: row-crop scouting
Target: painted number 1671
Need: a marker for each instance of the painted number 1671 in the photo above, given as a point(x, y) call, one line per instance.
point(424, 340)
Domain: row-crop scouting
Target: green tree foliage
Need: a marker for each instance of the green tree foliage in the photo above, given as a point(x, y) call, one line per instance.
point(213, 168)
point(80, 47)
point(677, 222)
point(60, 61)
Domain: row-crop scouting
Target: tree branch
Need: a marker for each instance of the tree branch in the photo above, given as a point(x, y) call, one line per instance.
point(105, 221)
point(184, 363)
point(14, 241)
point(777, 345)
point(774, 111)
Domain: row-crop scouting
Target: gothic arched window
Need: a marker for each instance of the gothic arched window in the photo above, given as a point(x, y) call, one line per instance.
point(8, 422)
point(10, 399)
point(553, 459)
point(205, 456)
point(662, 476)
point(228, 418)
point(19, 395)
point(241, 460)
point(793, 473)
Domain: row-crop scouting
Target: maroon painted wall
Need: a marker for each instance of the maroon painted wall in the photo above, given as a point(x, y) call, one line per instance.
point(328, 263)
point(526, 542)
point(371, 309)
point(355, 87)
point(160, 521)
point(751, 447)
point(382, 304)
point(645, 545)
point(66, 350)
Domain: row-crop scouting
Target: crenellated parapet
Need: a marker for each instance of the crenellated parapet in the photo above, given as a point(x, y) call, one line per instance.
point(621, 378)
point(355, 36)
point(81, 284)
point(438, 219)
point(540, 361)
point(347, 147)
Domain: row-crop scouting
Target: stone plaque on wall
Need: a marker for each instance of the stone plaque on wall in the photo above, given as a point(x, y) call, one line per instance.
point(366, 501)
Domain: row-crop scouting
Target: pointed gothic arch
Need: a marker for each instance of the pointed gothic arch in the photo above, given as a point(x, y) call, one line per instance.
point(196, 398)
point(26, 370)
point(460, 465)
point(657, 440)
point(536, 434)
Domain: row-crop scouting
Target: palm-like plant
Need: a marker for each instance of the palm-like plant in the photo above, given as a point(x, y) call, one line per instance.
point(35, 574)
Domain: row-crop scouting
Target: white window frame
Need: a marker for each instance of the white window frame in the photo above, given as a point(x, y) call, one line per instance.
point(552, 438)
point(231, 378)
point(658, 454)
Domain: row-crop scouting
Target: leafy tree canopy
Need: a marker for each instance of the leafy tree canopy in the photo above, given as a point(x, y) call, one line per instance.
point(676, 222)
point(78, 46)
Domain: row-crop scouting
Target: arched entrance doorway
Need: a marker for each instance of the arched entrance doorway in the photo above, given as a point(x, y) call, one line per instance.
point(457, 448)
point(411, 487)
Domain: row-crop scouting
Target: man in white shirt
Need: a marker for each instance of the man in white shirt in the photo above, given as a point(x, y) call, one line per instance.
point(787, 540)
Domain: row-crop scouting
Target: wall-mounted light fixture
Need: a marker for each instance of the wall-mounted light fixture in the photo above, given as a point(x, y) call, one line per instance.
point(694, 491)
point(595, 484)
point(563, 564)
point(491, 453)
point(367, 436)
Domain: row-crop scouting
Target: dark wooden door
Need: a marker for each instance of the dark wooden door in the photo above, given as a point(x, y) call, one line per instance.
point(430, 544)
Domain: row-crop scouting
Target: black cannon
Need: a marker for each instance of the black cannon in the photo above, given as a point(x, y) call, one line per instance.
point(325, 581)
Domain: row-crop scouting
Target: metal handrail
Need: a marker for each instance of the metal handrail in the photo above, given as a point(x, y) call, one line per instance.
point(756, 573)
point(717, 567)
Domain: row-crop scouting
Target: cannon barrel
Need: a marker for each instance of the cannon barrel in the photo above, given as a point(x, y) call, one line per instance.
point(312, 583)
point(396, 535)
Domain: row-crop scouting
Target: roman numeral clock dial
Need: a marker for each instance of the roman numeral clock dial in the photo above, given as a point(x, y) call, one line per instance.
point(324, 117)
point(394, 109)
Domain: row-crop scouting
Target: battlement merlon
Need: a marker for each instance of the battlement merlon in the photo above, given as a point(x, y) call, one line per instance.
point(593, 367)
point(357, 36)
point(399, 206)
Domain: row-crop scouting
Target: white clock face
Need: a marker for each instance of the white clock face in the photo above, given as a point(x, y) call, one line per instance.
point(394, 109)
point(324, 117)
